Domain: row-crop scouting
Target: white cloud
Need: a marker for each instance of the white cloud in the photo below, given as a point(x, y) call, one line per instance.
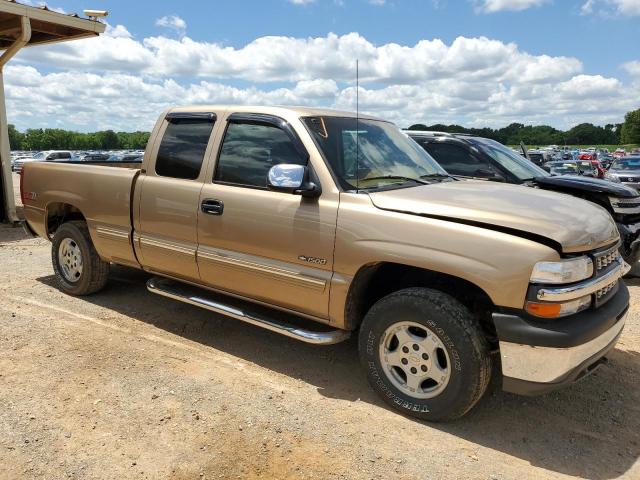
point(121, 82)
point(332, 57)
point(609, 7)
point(172, 22)
point(301, 2)
point(42, 3)
point(492, 6)
point(632, 68)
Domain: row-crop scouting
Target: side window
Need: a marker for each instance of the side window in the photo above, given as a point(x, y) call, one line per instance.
point(183, 146)
point(64, 155)
point(249, 150)
point(458, 161)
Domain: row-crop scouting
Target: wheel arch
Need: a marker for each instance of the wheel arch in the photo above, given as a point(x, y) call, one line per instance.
point(376, 280)
point(57, 213)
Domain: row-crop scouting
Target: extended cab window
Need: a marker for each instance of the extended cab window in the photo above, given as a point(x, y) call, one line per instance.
point(249, 150)
point(459, 161)
point(183, 146)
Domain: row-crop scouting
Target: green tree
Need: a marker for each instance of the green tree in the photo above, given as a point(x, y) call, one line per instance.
point(630, 131)
point(16, 138)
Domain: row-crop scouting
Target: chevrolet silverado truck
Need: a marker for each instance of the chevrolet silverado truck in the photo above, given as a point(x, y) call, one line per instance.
point(316, 224)
point(472, 157)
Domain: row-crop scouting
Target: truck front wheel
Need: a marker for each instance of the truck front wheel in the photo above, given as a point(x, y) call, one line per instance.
point(425, 354)
point(78, 267)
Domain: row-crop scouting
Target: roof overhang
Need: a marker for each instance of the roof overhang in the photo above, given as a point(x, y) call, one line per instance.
point(47, 26)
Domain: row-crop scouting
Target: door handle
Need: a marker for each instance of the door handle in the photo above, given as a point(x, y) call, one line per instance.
point(212, 207)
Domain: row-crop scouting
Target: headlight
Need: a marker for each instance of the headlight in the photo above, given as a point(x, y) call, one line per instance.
point(556, 310)
point(611, 178)
point(564, 271)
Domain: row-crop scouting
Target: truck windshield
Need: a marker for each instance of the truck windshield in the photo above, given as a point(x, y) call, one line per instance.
point(519, 166)
point(370, 154)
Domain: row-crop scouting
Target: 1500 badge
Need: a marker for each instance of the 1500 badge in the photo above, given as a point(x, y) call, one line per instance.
point(317, 261)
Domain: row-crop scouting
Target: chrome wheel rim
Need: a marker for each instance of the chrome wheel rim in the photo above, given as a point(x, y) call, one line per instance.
point(70, 260)
point(415, 360)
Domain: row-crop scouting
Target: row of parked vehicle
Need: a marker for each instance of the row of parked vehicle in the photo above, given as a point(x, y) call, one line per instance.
point(18, 159)
point(553, 153)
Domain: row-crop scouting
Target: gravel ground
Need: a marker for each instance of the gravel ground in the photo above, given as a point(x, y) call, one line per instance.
point(126, 384)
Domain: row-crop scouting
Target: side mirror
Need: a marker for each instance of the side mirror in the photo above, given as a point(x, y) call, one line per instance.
point(292, 178)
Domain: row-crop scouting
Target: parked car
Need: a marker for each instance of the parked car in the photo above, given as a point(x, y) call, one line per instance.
point(95, 157)
point(536, 156)
point(587, 155)
point(271, 215)
point(473, 157)
point(47, 156)
point(620, 152)
point(561, 167)
point(627, 170)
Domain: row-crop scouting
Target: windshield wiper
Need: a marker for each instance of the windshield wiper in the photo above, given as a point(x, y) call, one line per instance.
point(396, 177)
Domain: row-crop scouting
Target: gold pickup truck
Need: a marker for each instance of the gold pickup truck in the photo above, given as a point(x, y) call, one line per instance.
point(282, 217)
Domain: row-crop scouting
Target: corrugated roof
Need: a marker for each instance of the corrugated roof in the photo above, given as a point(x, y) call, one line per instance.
point(47, 26)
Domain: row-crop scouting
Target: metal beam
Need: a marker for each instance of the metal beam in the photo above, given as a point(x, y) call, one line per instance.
point(5, 149)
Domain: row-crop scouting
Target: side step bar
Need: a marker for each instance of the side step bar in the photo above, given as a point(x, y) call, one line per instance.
point(203, 299)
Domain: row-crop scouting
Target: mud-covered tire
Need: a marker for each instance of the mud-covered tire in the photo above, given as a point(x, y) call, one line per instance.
point(94, 271)
point(458, 334)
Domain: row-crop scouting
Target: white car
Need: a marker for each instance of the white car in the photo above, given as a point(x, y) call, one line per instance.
point(46, 156)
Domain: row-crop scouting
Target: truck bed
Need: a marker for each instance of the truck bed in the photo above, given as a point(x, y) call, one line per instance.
point(102, 195)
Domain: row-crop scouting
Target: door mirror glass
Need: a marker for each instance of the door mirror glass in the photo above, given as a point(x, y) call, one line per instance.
point(292, 178)
point(286, 176)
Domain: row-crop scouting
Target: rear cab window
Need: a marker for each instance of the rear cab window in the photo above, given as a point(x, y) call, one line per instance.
point(184, 143)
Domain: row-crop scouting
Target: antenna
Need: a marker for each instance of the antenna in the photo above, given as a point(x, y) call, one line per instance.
point(357, 126)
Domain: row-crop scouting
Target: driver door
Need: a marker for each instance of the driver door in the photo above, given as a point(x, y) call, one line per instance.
point(264, 245)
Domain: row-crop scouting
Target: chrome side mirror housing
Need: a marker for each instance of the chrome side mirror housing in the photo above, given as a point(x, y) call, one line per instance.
point(292, 178)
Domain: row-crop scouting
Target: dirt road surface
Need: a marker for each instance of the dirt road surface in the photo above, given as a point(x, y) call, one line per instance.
point(126, 384)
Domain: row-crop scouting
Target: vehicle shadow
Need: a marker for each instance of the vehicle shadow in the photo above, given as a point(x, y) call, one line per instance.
point(11, 233)
point(590, 430)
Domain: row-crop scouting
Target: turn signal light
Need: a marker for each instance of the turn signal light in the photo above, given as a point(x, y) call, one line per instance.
point(545, 310)
point(557, 310)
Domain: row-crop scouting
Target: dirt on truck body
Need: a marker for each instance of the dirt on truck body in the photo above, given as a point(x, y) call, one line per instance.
point(279, 217)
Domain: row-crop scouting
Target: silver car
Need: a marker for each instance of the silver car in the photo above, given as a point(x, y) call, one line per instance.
point(627, 170)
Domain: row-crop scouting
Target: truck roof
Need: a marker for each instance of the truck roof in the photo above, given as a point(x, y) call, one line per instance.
point(274, 110)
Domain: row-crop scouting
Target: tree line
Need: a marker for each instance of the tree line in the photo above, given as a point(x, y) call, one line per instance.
point(583, 134)
point(58, 139)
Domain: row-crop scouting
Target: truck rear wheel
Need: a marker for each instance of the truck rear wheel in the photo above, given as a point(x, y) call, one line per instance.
point(78, 267)
point(425, 354)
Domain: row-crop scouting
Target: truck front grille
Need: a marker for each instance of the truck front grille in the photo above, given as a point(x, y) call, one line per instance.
point(604, 294)
point(606, 258)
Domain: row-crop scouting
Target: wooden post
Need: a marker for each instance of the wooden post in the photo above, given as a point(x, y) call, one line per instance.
point(9, 211)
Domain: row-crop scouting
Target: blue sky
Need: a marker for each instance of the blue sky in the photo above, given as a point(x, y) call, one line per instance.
point(474, 62)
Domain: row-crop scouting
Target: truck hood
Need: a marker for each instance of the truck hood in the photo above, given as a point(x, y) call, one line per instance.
point(568, 223)
point(588, 184)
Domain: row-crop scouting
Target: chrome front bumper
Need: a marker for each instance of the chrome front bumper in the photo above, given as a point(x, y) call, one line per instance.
point(549, 365)
point(539, 356)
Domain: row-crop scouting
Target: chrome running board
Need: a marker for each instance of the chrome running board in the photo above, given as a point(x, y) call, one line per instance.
point(213, 302)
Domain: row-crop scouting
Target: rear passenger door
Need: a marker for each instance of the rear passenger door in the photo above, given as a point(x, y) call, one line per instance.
point(268, 246)
point(166, 235)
